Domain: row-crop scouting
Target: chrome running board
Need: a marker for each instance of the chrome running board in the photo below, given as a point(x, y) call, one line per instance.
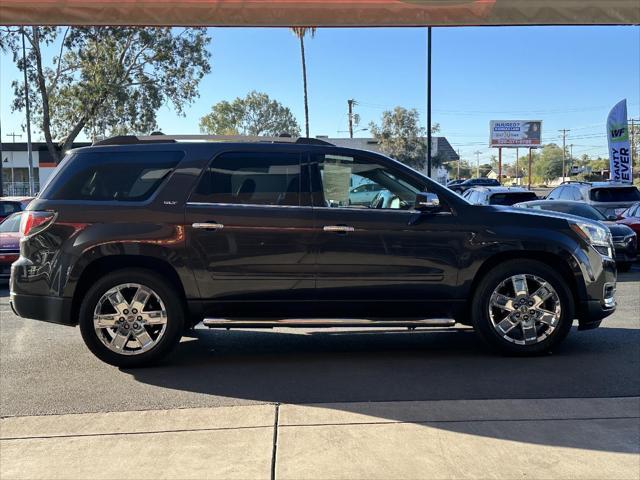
point(324, 322)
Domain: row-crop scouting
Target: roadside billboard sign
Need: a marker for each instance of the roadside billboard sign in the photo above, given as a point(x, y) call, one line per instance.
point(515, 133)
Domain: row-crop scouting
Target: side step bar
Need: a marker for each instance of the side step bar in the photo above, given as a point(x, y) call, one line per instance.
point(324, 322)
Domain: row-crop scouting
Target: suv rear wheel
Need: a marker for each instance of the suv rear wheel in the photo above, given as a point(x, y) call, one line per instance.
point(131, 317)
point(523, 307)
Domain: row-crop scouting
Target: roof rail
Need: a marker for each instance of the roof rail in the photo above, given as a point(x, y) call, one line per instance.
point(575, 181)
point(140, 139)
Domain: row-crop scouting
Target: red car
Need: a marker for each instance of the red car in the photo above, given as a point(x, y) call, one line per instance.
point(9, 243)
point(631, 217)
point(9, 205)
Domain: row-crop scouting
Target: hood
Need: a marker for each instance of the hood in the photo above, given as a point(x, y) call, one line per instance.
point(618, 230)
point(10, 241)
point(543, 213)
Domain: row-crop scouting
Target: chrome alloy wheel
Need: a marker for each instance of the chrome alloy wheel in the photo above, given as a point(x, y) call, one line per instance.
point(130, 319)
point(524, 309)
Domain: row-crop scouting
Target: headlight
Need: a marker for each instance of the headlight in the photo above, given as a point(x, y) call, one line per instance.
point(595, 235)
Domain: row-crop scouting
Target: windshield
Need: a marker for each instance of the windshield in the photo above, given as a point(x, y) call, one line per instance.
point(615, 194)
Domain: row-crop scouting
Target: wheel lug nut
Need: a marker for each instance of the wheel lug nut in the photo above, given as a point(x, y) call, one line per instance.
point(121, 319)
point(135, 325)
point(126, 326)
point(526, 317)
point(532, 312)
point(126, 311)
point(139, 319)
point(134, 311)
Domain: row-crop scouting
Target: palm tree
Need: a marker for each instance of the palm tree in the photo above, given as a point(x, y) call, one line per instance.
point(300, 32)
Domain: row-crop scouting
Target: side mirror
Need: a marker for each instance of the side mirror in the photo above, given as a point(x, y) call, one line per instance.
point(612, 218)
point(427, 202)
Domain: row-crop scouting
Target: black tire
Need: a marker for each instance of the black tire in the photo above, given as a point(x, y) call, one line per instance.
point(174, 325)
point(624, 266)
point(482, 296)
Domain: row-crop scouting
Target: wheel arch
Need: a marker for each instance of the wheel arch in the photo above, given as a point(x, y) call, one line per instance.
point(111, 263)
point(555, 260)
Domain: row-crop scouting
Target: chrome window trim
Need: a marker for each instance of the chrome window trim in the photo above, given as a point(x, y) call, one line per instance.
point(214, 204)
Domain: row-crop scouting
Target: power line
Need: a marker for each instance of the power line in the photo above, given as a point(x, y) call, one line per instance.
point(564, 132)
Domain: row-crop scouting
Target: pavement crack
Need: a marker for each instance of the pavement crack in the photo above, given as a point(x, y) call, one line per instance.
point(274, 451)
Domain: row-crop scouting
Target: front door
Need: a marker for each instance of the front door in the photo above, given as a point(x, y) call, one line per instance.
point(251, 234)
point(384, 258)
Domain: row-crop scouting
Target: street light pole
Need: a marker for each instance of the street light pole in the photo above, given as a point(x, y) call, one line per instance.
point(478, 152)
point(26, 99)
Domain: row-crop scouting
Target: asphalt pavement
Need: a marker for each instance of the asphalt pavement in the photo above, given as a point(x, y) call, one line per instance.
point(46, 369)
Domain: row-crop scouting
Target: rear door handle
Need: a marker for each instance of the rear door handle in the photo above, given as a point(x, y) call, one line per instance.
point(338, 228)
point(208, 226)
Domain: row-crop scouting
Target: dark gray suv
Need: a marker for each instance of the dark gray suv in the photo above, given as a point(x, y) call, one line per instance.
point(138, 239)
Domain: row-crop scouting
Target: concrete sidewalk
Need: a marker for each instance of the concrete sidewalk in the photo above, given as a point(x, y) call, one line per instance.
point(549, 438)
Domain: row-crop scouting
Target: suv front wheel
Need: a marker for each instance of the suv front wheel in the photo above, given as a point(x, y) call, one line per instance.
point(131, 318)
point(523, 307)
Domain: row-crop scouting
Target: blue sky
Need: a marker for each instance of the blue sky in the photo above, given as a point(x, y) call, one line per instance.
point(569, 77)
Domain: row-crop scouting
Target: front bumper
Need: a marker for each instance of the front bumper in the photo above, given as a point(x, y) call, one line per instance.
point(44, 308)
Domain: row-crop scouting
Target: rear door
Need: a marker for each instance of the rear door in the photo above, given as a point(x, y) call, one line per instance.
point(250, 228)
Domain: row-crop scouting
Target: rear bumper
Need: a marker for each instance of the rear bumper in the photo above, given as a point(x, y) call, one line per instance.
point(44, 308)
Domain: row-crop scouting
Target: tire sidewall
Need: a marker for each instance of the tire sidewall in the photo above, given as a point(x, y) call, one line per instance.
point(173, 329)
point(480, 306)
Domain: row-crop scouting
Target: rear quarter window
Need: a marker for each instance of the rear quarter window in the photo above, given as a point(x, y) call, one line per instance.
point(112, 176)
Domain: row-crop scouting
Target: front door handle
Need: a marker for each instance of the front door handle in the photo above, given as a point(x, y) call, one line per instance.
point(208, 226)
point(338, 228)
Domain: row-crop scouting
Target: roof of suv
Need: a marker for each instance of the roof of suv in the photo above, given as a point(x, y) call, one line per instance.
point(500, 189)
point(162, 138)
point(606, 184)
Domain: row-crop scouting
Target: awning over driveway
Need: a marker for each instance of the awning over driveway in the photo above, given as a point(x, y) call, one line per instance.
point(321, 13)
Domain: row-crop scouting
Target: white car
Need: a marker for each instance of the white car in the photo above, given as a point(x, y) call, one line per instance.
point(364, 194)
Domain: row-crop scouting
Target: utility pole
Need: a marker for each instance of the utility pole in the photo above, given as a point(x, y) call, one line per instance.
point(13, 139)
point(26, 101)
point(564, 132)
point(477, 153)
point(459, 160)
point(429, 102)
point(351, 102)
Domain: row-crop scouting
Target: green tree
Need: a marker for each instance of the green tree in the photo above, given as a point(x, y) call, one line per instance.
point(106, 80)
point(255, 114)
point(400, 136)
point(301, 32)
point(548, 163)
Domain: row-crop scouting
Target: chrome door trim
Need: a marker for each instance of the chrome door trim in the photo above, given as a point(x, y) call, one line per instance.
point(338, 228)
point(208, 226)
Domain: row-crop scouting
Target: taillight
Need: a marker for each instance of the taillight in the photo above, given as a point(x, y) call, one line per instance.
point(33, 222)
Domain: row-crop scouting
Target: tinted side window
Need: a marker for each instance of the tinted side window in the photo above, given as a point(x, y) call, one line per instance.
point(555, 194)
point(7, 208)
point(251, 178)
point(112, 176)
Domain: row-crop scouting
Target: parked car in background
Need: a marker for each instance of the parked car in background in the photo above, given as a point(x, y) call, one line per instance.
point(474, 182)
point(363, 194)
point(498, 195)
point(454, 182)
point(625, 240)
point(9, 205)
point(138, 239)
point(631, 218)
point(610, 198)
point(9, 243)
